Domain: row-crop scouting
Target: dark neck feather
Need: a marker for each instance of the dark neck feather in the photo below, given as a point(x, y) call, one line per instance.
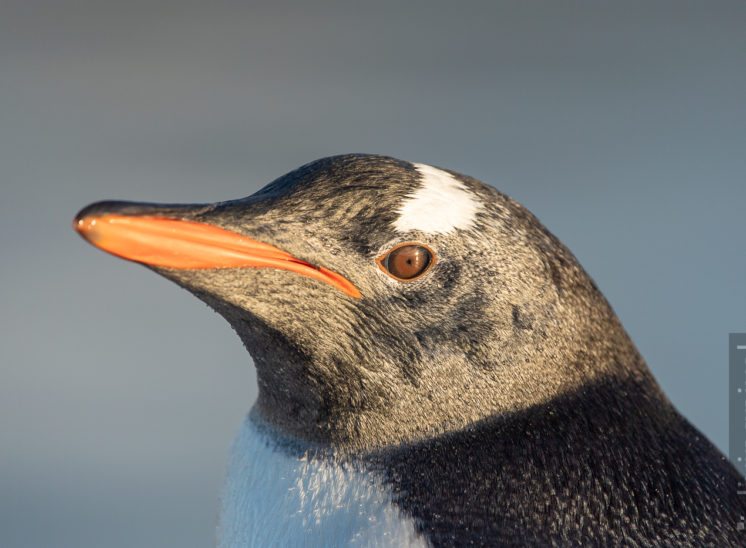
point(610, 464)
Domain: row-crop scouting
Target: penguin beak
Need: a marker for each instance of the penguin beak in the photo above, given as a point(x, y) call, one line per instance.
point(176, 243)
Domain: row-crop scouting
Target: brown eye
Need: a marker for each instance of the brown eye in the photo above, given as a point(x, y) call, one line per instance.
point(407, 262)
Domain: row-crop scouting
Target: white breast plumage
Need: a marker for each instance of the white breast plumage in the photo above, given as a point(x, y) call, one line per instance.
point(277, 496)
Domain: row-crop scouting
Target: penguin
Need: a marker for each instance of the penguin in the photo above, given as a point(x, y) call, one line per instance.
point(434, 368)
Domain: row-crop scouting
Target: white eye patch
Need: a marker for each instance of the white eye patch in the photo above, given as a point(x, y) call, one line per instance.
point(441, 204)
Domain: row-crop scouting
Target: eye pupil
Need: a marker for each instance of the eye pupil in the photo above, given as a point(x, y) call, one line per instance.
point(406, 262)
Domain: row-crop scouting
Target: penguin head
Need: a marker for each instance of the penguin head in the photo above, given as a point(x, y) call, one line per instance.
point(382, 301)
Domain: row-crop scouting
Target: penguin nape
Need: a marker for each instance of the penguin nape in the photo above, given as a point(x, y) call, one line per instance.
point(434, 367)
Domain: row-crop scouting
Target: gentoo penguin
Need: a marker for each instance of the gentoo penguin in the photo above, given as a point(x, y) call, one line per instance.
point(434, 367)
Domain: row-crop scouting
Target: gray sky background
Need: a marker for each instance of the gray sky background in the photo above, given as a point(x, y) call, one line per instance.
point(622, 125)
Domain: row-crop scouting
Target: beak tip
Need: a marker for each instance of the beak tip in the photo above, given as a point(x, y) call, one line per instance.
point(85, 219)
point(86, 227)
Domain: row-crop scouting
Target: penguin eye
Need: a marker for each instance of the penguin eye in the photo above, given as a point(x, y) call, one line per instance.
point(407, 262)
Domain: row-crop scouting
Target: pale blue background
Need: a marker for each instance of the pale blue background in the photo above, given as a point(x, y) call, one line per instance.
point(622, 125)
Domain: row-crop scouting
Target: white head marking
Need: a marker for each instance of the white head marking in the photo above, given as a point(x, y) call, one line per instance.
point(440, 204)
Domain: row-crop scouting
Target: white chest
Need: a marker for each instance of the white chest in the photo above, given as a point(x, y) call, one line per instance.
point(273, 497)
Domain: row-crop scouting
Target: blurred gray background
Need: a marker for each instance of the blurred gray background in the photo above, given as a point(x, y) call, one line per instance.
point(622, 125)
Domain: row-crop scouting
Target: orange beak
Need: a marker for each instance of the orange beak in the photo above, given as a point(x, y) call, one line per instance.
point(173, 243)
